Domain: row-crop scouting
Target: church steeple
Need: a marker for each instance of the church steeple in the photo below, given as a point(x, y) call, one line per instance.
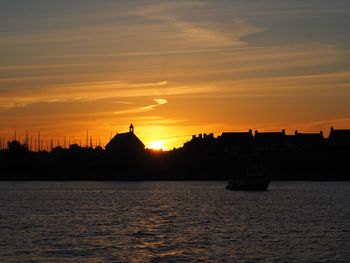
point(131, 128)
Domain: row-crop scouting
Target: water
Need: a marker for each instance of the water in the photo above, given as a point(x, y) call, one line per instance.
point(173, 221)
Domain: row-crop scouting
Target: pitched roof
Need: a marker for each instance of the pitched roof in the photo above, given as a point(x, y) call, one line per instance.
point(122, 141)
point(236, 137)
point(306, 139)
point(339, 135)
point(269, 137)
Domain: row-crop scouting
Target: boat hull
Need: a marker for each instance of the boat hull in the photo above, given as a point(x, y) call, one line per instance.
point(251, 178)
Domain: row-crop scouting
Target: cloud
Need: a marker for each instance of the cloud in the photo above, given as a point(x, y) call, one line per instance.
point(154, 120)
point(212, 37)
point(151, 24)
point(325, 125)
point(143, 108)
point(26, 79)
point(161, 101)
point(38, 66)
point(93, 91)
point(324, 84)
point(80, 112)
point(246, 71)
point(209, 34)
point(84, 91)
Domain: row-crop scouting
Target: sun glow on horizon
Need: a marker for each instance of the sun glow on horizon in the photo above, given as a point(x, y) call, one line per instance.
point(156, 145)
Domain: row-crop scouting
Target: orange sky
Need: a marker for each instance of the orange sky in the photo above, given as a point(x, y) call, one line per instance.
point(173, 68)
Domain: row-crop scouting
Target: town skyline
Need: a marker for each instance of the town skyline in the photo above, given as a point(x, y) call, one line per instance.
point(203, 157)
point(43, 142)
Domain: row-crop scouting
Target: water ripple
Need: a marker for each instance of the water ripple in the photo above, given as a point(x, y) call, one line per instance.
point(173, 222)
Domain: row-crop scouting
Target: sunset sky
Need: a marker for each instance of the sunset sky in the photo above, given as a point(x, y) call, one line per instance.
point(173, 68)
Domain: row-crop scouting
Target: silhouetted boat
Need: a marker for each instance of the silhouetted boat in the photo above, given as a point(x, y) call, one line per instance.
point(253, 179)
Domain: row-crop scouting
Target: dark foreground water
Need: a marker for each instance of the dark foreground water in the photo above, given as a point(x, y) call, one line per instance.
point(173, 221)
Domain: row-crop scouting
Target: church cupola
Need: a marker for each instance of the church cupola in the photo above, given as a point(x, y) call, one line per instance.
point(131, 128)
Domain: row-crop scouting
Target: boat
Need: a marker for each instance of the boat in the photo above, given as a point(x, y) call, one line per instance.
point(253, 178)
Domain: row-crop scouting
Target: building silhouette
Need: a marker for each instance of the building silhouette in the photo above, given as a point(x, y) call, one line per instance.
point(298, 156)
point(124, 143)
point(306, 141)
point(339, 137)
point(235, 141)
point(270, 139)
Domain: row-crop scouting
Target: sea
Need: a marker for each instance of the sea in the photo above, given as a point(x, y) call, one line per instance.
point(173, 222)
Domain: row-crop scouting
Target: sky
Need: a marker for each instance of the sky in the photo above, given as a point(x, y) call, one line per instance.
point(172, 68)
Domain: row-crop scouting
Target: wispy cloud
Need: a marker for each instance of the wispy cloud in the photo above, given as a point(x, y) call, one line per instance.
point(143, 108)
point(38, 66)
point(84, 91)
point(92, 91)
point(26, 78)
point(201, 33)
point(162, 20)
point(59, 35)
point(326, 84)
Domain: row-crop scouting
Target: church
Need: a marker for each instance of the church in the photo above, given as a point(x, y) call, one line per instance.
point(123, 143)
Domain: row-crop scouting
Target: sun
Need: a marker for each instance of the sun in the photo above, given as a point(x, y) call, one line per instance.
point(157, 145)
